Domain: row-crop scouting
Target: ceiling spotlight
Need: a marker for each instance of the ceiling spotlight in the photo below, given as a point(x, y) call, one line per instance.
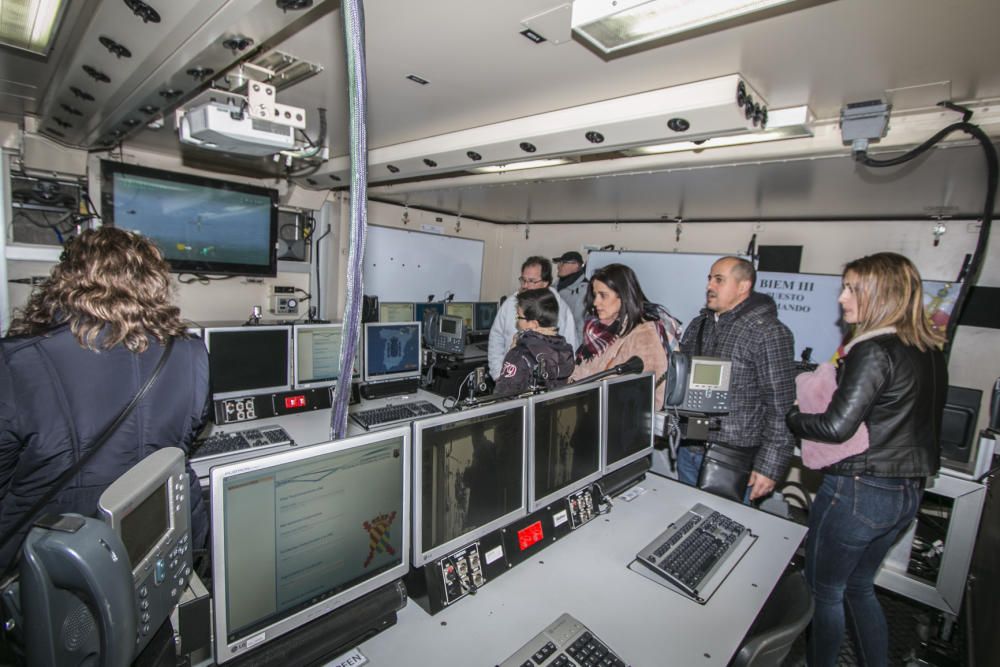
point(393, 169)
point(96, 74)
point(170, 93)
point(132, 122)
point(236, 44)
point(311, 181)
point(474, 156)
point(149, 109)
point(55, 133)
point(199, 73)
point(594, 137)
point(294, 5)
point(533, 36)
point(143, 11)
point(741, 94)
point(679, 124)
point(82, 94)
point(60, 122)
point(430, 163)
point(72, 111)
point(115, 48)
point(748, 107)
point(527, 147)
point(334, 178)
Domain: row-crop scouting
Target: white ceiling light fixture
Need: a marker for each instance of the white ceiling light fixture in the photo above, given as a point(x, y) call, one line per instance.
point(29, 25)
point(616, 26)
point(789, 123)
point(517, 166)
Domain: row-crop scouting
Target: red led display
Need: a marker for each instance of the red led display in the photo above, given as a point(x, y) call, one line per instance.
point(292, 402)
point(530, 535)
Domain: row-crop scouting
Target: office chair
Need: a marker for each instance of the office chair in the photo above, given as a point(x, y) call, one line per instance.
point(782, 619)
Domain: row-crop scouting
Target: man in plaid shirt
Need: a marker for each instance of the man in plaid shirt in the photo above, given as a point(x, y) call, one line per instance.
point(742, 325)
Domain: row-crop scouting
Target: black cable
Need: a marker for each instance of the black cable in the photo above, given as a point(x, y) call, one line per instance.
point(976, 265)
point(200, 278)
point(319, 280)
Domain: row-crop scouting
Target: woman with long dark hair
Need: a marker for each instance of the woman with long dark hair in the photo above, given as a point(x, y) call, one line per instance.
point(622, 323)
point(87, 341)
point(893, 379)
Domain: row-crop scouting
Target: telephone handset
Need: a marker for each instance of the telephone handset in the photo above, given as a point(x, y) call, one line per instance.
point(430, 326)
point(74, 574)
point(677, 373)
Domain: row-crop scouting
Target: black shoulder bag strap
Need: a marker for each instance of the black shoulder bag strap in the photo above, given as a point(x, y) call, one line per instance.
point(97, 444)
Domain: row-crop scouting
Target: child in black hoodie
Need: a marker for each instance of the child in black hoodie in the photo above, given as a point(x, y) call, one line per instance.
point(539, 356)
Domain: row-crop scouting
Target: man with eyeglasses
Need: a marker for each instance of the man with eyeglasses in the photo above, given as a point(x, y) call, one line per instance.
point(536, 273)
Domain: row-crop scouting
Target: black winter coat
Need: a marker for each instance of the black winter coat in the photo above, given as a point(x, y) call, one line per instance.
point(899, 393)
point(57, 397)
point(550, 356)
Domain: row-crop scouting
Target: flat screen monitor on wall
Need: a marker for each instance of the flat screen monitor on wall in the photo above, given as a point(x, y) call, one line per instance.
point(248, 360)
point(298, 534)
point(201, 225)
point(468, 473)
point(564, 454)
point(463, 309)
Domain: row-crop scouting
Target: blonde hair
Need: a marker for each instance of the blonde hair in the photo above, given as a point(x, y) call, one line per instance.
point(889, 293)
point(107, 281)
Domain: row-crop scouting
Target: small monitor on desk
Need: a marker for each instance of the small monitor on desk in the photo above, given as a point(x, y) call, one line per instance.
point(420, 310)
point(393, 311)
point(248, 360)
point(317, 355)
point(391, 351)
point(485, 313)
point(463, 309)
point(628, 419)
point(565, 449)
point(468, 476)
point(298, 534)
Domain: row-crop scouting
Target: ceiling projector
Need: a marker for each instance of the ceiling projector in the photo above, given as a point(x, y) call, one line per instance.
point(226, 128)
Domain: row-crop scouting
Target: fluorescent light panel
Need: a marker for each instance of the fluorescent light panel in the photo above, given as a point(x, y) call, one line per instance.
point(29, 24)
point(614, 25)
point(517, 166)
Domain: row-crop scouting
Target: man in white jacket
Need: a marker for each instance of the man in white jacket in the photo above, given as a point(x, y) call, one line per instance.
point(536, 272)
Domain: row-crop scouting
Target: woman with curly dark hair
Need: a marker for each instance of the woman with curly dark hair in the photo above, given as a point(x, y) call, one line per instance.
point(87, 341)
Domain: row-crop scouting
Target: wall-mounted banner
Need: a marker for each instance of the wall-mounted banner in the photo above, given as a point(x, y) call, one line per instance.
point(807, 304)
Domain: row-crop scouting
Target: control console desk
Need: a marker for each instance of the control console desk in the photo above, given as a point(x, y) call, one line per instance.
point(586, 574)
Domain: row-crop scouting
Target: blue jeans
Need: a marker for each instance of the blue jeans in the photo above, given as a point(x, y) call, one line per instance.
point(689, 464)
point(853, 524)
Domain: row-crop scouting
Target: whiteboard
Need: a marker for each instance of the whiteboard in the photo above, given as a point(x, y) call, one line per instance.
point(404, 265)
point(675, 280)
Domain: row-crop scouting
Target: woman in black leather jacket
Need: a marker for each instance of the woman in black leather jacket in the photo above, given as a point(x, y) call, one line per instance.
point(893, 379)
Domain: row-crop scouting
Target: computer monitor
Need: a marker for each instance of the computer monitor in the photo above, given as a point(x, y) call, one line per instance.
point(317, 355)
point(391, 351)
point(564, 453)
point(463, 309)
point(468, 476)
point(628, 419)
point(248, 360)
point(393, 311)
point(298, 534)
point(419, 309)
point(485, 313)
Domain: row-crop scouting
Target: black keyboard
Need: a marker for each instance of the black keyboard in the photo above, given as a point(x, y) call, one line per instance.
point(234, 441)
point(566, 642)
point(392, 414)
point(696, 548)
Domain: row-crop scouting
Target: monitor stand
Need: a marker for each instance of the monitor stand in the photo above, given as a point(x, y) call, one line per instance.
point(332, 634)
point(391, 388)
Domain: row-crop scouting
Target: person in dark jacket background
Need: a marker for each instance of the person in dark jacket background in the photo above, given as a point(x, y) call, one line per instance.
point(893, 378)
point(539, 353)
point(86, 342)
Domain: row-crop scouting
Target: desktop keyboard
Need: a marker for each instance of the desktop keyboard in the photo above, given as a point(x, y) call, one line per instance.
point(696, 552)
point(566, 642)
point(395, 413)
point(234, 441)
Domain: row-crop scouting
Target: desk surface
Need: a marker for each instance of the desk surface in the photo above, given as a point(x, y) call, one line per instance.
point(586, 575)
